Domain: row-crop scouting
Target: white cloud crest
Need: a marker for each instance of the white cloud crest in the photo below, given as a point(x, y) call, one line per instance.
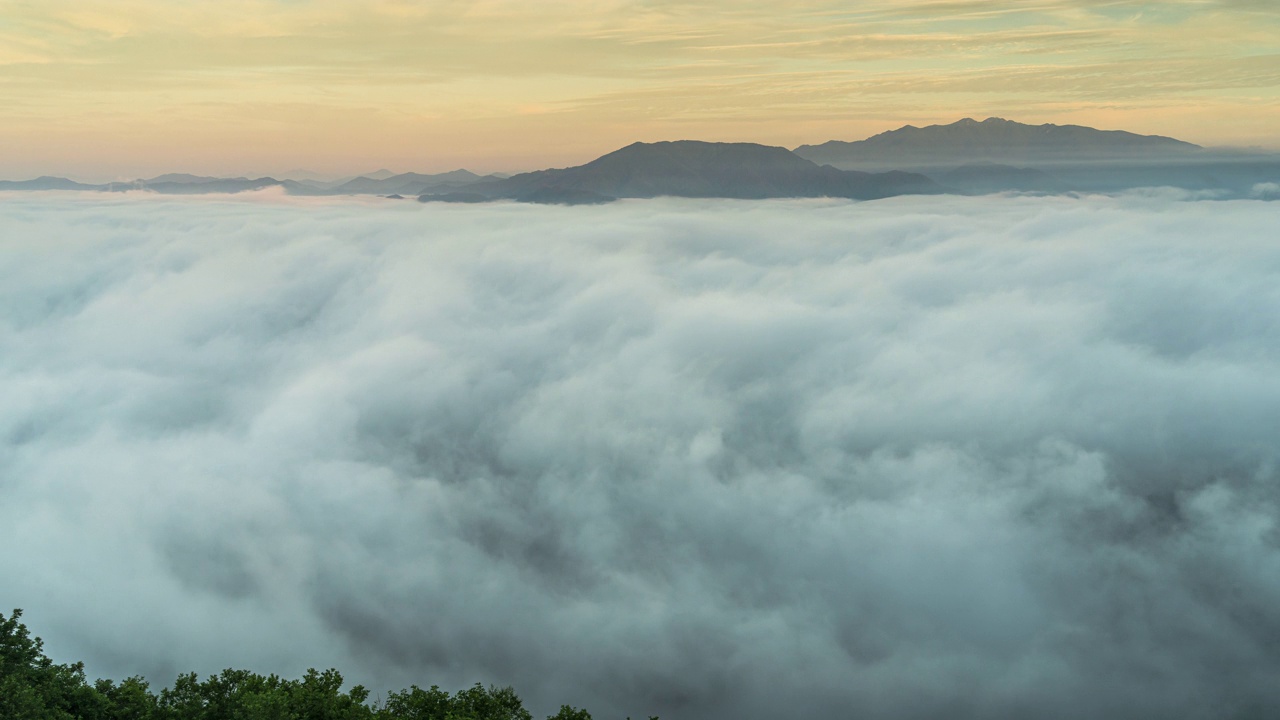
point(912, 458)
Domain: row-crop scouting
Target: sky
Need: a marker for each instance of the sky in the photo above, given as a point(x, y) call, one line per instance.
point(117, 89)
point(912, 458)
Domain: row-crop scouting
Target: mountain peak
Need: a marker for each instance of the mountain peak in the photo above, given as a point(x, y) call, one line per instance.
point(973, 122)
point(995, 140)
point(683, 156)
point(694, 168)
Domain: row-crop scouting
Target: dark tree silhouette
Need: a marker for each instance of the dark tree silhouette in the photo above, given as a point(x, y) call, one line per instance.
point(33, 687)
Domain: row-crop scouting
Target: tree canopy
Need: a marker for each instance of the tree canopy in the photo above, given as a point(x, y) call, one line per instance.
point(33, 687)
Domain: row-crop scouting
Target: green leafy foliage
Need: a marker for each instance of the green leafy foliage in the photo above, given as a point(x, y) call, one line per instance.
point(132, 699)
point(568, 712)
point(33, 687)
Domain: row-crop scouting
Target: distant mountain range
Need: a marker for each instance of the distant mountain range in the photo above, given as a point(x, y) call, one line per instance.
point(408, 183)
point(185, 184)
point(967, 157)
point(993, 140)
point(46, 183)
point(689, 168)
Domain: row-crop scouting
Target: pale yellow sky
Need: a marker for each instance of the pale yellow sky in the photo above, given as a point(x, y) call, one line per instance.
point(125, 88)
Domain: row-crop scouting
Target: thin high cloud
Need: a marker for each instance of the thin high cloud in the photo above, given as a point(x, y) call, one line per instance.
point(968, 457)
point(131, 87)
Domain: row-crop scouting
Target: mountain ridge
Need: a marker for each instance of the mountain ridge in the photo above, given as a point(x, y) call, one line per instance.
point(694, 168)
point(993, 140)
point(967, 156)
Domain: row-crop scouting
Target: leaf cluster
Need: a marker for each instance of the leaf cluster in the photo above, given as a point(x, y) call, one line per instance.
point(33, 687)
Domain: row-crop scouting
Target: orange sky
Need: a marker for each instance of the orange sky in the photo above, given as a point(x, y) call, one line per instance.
point(99, 89)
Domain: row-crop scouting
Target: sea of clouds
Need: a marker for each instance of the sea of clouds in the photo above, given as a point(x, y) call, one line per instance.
point(921, 457)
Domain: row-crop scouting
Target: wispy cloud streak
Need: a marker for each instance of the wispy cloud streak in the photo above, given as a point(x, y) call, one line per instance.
point(443, 84)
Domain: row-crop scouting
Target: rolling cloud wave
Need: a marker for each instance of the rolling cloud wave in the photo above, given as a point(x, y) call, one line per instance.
point(919, 457)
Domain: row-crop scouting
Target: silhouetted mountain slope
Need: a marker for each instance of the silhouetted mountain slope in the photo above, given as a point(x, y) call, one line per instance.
point(206, 185)
point(46, 183)
point(409, 183)
point(181, 178)
point(993, 140)
point(456, 197)
point(171, 184)
point(688, 168)
point(185, 184)
point(566, 196)
point(979, 178)
point(1231, 176)
point(966, 156)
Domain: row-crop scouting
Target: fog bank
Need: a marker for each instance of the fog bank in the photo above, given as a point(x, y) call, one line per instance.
point(920, 457)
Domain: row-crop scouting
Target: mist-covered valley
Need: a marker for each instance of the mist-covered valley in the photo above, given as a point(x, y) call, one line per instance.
point(927, 456)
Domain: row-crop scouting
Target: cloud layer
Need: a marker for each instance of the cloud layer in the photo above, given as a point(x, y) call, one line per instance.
point(920, 457)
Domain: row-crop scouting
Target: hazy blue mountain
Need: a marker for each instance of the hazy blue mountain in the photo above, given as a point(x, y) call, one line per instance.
point(456, 197)
point(183, 178)
point(409, 183)
point(172, 184)
point(1230, 174)
point(320, 186)
point(981, 178)
point(304, 175)
point(197, 186)
point(188, 184)
point(993, 140)
point(1000, 155)
point(1224, 175)
point(46, 183)
point(566, 196)
point(689, 168)
point(966, 156)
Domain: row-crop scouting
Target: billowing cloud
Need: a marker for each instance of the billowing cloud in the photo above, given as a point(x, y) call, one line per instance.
point(921, 457)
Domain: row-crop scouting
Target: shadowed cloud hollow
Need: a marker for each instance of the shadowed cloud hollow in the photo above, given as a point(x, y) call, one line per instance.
point(920, 457)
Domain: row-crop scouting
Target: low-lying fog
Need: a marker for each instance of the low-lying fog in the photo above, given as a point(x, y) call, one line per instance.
point(922, 457)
